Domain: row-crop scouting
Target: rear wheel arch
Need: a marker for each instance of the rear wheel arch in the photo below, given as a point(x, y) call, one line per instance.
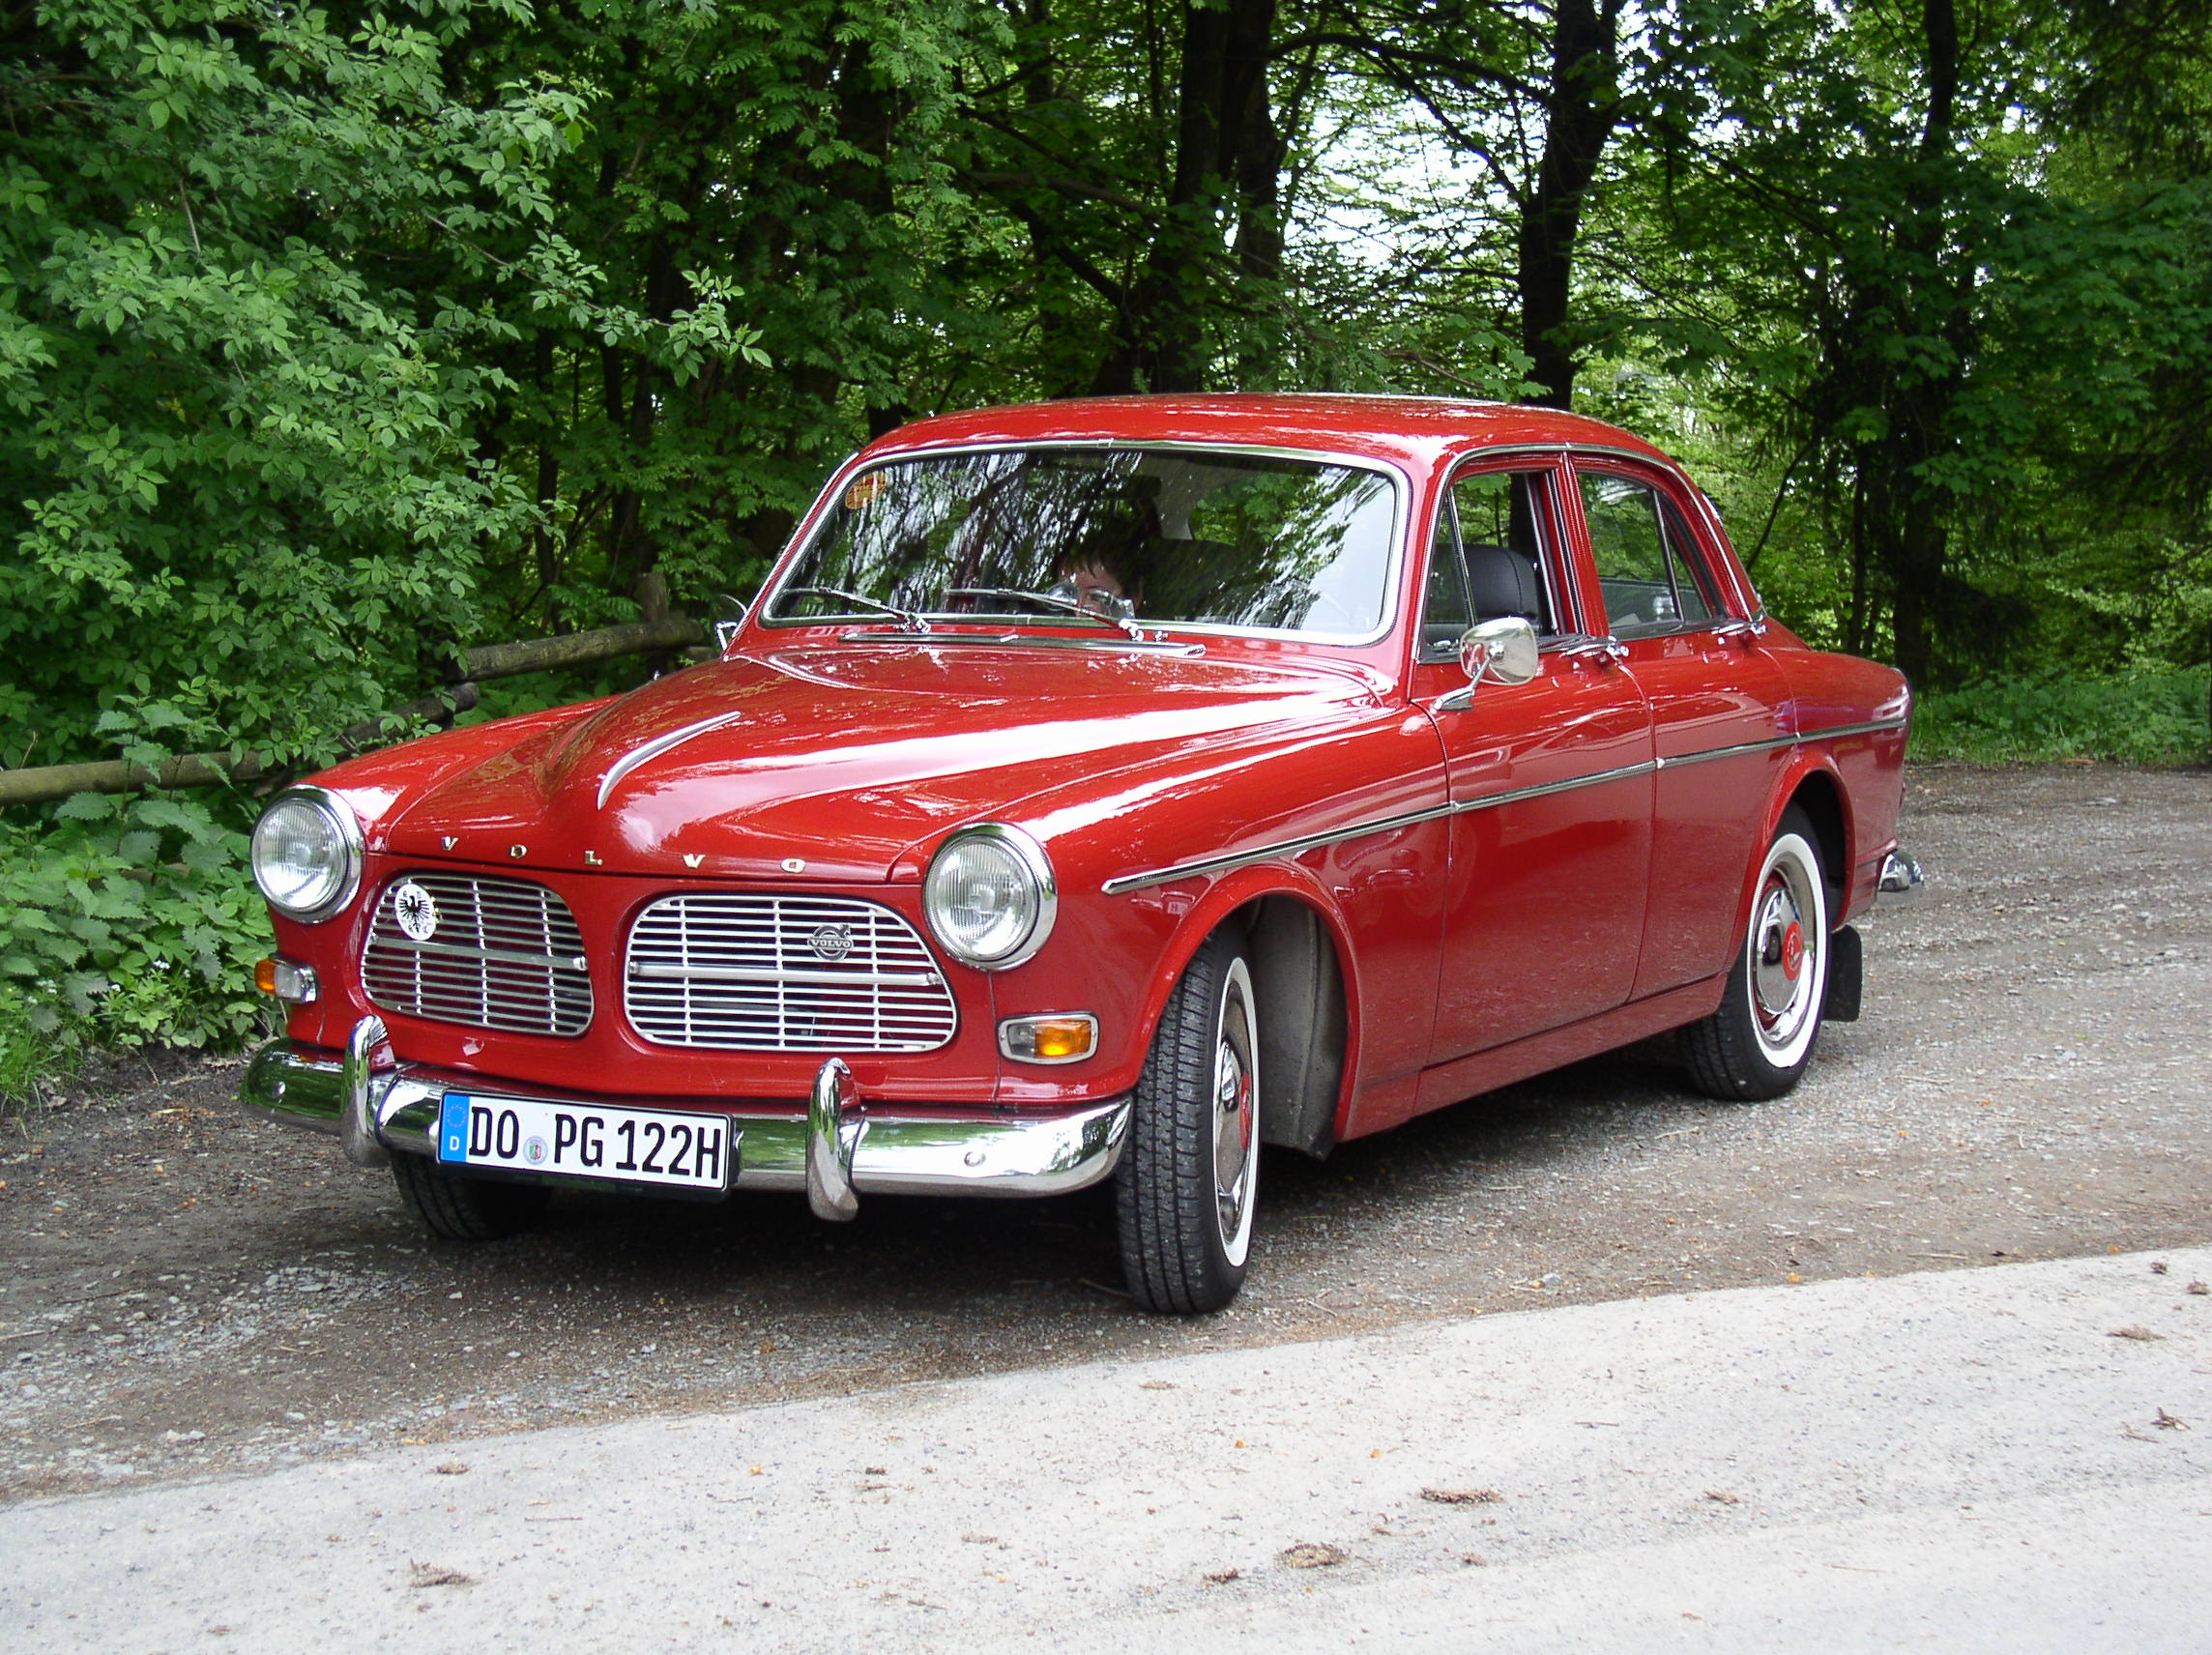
point(1819, 798)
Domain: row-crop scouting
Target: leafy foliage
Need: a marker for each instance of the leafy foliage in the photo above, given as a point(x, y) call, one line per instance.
point(249, 316)
point(121, 923)
point(2140, 717)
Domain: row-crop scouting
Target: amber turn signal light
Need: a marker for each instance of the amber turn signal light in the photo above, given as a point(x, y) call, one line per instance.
point(285, 979)
point(1062, 1038)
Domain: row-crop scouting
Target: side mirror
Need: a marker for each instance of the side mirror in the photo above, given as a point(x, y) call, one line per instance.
point(1503, 649)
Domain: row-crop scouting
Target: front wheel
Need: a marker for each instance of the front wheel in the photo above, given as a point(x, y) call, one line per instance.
point(1185, 1191)
point(465, 1209)
point(1759, 1042)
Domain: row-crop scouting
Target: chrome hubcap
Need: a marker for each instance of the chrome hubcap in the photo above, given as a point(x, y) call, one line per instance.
point(1784, 955)
point(1235, 1119)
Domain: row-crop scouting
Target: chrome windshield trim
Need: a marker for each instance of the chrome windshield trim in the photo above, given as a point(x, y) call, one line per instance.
point(1487, 801)
point(654, 748)
point(1400, 478)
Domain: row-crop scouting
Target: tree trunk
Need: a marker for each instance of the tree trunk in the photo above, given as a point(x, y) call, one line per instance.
point(1224, 139)
point(1581, 107)
point(1915, 532)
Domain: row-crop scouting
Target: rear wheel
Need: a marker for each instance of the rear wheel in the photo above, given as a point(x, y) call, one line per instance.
point(1184, 1193)
point(1759, 1042)
point(465, 1209)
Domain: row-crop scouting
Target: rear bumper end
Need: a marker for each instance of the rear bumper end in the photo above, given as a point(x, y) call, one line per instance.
point(836, 1146)
point(1900, 878)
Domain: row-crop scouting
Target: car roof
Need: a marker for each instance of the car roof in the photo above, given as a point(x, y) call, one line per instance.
point(1413, 430)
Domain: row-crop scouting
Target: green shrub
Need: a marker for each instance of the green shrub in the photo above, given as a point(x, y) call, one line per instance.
point(123, 921)
point(2143, 716)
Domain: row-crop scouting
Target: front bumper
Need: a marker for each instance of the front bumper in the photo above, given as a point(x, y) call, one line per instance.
point(834, 1147)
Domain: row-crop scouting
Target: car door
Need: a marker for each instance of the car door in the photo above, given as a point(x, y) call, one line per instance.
point(1550, 780)
point(1718, 705)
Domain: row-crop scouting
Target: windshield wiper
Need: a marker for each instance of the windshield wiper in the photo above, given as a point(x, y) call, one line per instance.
point(912, 617)
point(1051, 600)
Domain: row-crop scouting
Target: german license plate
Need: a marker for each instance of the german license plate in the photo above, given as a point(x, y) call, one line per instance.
point(583, 1140)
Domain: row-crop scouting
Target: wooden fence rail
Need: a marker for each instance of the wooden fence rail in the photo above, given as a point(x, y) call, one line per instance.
point(49, 782)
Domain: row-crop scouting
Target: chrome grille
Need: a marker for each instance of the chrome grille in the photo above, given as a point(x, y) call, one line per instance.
point(506, 954)
point(783, 973)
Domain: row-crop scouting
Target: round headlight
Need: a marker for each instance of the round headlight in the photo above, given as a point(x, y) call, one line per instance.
point(990, 897)
point(307, 853)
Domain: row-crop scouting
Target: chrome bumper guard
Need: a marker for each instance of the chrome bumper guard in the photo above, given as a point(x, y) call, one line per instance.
point(835, 1149)
point(1900, 877)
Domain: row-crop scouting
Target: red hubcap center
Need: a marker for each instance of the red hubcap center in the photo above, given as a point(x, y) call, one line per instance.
point(1794, 950)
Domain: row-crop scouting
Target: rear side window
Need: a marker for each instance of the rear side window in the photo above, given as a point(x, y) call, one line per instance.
point(1649, 565)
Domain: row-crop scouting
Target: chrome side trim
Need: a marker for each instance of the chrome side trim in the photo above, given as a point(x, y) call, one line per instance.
point(1282, 848)
point(654, 748)
point(1873, 727)
point(1313, 841)
point(996, 1153)
point(1596, 779)
point(1742, 749)
point(1745, 747)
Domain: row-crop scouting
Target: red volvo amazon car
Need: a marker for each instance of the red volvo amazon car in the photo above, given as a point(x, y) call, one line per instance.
point(1102, 789)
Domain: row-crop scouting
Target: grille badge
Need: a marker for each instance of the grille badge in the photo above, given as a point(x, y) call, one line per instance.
point(415, 910)
point(831, 941)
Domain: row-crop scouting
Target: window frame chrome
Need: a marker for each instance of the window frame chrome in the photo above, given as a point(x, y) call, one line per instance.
point(1740, 610)
point(1552, 562)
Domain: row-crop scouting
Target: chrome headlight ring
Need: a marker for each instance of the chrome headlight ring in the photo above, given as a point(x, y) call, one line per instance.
point(990, 897)
point(307, 853)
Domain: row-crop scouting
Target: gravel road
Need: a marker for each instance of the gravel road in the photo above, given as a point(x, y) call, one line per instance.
point(192, 1291)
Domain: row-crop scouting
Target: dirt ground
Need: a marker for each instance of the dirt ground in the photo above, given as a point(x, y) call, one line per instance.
point(189, 1291)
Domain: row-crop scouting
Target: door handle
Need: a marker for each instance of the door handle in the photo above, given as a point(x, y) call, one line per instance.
point(1605, 650)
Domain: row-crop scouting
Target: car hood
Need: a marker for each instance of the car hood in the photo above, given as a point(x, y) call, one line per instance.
point(827, 762)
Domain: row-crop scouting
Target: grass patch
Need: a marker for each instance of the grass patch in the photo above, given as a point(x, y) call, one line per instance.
point(2141, 717)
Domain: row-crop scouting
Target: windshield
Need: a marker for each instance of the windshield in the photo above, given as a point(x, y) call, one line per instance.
point(1054, 536)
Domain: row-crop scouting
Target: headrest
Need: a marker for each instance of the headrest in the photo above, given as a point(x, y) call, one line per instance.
point(1501, 581)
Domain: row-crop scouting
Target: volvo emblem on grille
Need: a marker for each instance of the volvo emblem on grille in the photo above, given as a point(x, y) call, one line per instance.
point(417, 913)
point(831, 941)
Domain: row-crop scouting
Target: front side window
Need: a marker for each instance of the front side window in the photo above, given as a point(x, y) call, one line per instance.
point(1157, 537)
point(1488, 558)
point(1648, 564)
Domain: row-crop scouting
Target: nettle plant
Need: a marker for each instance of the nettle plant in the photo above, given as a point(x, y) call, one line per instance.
point(125, 920)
